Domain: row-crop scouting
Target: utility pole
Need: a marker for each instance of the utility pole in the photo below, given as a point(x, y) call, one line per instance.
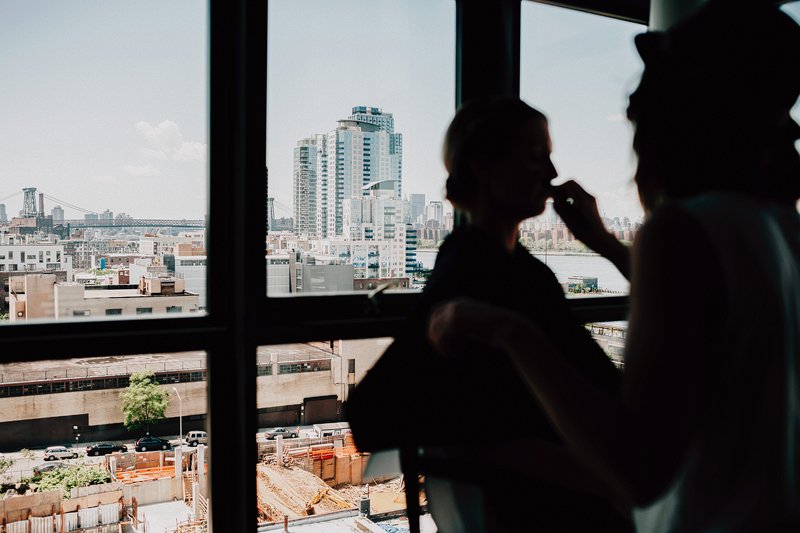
point(180, 414)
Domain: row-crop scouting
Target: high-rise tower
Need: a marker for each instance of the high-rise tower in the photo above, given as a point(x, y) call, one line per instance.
point(332, 167)
point(385, 121)
point(417, 208)
point(304, 185)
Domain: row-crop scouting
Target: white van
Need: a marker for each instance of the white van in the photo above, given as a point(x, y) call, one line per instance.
point(193, 438)
point(333, 428)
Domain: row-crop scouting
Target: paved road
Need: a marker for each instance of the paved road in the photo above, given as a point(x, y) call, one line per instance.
point(23, 467)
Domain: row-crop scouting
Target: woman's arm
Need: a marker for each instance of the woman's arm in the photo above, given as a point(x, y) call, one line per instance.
point(637, 441)
point(578, 209)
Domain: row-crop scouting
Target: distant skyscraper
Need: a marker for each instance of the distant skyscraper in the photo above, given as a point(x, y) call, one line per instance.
point(3, 215)
point(417, 207)
point(435, 211)
point(385, 121)
point(305, 186)
point(333, 167)
point(90, 217)
point(107, 215)
point(58, 214)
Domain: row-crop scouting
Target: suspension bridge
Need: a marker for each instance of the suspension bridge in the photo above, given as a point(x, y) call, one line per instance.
point(132, 223)
point(94, 219)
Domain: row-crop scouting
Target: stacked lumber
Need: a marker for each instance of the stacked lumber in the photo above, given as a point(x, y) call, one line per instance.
point(294, 493)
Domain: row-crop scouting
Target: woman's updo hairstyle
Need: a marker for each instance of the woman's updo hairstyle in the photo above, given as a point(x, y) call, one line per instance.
point(481, 129)
point(712, 110)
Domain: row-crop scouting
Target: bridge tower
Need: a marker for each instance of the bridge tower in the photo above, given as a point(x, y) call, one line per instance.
point(29, 202)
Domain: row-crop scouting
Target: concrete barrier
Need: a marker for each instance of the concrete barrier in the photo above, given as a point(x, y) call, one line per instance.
point(155, 491)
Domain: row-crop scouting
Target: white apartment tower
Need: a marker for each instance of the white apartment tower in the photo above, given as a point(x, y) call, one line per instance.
point(304, 185)
point(385, 121)
point(435, 211)
point(376, 239)
point(333, 167)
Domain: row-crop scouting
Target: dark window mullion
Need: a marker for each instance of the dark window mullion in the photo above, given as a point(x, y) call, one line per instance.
point(322, 319)
point(60, 340)
point(236, 283)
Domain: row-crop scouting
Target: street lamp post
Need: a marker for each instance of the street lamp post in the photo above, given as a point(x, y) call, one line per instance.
point(180, 414)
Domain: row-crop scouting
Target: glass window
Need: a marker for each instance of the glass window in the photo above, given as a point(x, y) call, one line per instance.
point(39, 408)
point(356, 122)
point(578, 69)
point(307, 410)
point(105, 110)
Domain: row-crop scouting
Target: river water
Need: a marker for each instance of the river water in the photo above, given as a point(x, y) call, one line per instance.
point(564, 266)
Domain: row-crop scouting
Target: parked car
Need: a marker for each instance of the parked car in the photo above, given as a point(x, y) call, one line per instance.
point(104, 448)
point(59, 452)
point(272, 433)
point(152, 443)
point(193, 438)
point(41, 469)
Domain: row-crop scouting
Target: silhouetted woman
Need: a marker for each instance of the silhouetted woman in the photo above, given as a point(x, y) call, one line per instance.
point(704, 436)
point(474, 409)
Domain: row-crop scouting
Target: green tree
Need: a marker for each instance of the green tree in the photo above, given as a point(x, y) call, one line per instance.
point(143, 402)
point(5, 464)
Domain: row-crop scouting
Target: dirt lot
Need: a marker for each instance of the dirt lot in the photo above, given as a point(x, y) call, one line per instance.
point(295, 493)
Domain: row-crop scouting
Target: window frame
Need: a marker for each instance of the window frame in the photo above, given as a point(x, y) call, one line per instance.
point(240, 316)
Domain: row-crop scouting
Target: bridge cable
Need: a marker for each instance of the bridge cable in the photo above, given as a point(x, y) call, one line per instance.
point(67, 204)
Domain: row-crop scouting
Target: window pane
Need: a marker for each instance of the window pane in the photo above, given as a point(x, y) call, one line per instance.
point(303, 438)
point(73, 414)
point(103, 158)
point(360, 93)
point(578, 69)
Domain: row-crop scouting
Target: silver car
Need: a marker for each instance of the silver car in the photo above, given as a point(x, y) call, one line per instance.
point(283, 432)
point(59, 452)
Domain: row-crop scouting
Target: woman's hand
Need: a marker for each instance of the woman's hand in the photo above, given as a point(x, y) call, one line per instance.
point(578, 209)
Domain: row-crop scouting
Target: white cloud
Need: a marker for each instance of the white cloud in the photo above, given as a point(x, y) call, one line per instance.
point(165, 141)
point(144, 171)
point(191, 151)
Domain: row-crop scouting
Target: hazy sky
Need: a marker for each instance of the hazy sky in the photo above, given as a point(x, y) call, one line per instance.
point(103, 103)
point(326, 57)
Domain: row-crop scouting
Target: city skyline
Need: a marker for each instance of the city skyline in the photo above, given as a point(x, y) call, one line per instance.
point(105, 104)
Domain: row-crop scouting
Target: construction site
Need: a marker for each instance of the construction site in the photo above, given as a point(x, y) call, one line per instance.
point(301, 482)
